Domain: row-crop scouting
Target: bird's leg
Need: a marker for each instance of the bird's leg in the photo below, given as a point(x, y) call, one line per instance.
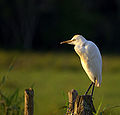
point(89, 88)
point(93, 89)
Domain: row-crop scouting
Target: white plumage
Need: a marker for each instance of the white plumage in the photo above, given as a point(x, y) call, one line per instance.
point(90, 57)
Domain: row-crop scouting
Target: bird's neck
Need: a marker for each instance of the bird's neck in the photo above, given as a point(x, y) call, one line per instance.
point(79, 47)
point(81, 41)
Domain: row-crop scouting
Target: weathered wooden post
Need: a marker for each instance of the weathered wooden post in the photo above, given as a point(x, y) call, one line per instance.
point(72, 97)
point(29, 105)
point(80, 104)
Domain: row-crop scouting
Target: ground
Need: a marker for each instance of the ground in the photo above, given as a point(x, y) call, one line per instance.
point(53, 74)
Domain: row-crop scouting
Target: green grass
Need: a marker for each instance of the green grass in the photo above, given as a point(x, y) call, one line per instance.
point(52, 73)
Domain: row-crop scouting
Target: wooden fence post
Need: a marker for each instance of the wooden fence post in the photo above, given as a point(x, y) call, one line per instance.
point(80, 104)
point(29, 105)
point(72, 97)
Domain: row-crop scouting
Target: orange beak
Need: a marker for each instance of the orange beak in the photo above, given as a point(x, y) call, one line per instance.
point(68, 41)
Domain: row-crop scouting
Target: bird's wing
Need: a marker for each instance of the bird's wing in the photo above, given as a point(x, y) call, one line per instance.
point(92, 62)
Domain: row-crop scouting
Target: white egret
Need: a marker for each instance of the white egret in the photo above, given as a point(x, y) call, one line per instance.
point(90, 57)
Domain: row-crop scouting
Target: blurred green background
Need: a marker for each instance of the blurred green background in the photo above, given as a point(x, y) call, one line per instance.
point(31, 31)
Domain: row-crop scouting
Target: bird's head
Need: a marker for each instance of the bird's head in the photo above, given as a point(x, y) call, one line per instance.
point(77, 39)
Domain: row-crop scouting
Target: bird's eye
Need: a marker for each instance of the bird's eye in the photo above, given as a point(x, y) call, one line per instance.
point(74, 40)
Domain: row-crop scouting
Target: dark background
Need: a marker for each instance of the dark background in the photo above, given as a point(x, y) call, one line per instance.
point(42, 24)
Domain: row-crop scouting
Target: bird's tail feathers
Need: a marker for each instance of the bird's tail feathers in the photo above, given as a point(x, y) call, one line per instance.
point(98, 82)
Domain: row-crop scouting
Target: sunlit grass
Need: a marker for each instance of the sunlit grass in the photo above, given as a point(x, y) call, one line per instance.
point(52, 73)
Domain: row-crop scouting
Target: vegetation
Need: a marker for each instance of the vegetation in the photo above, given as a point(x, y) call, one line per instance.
point(52, 73)
point(10, 104)
point(38, 24)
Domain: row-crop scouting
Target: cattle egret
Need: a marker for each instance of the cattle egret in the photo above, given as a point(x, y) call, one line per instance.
point(90, 57)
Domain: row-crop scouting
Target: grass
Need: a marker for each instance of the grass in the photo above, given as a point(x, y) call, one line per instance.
point(52, 73)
